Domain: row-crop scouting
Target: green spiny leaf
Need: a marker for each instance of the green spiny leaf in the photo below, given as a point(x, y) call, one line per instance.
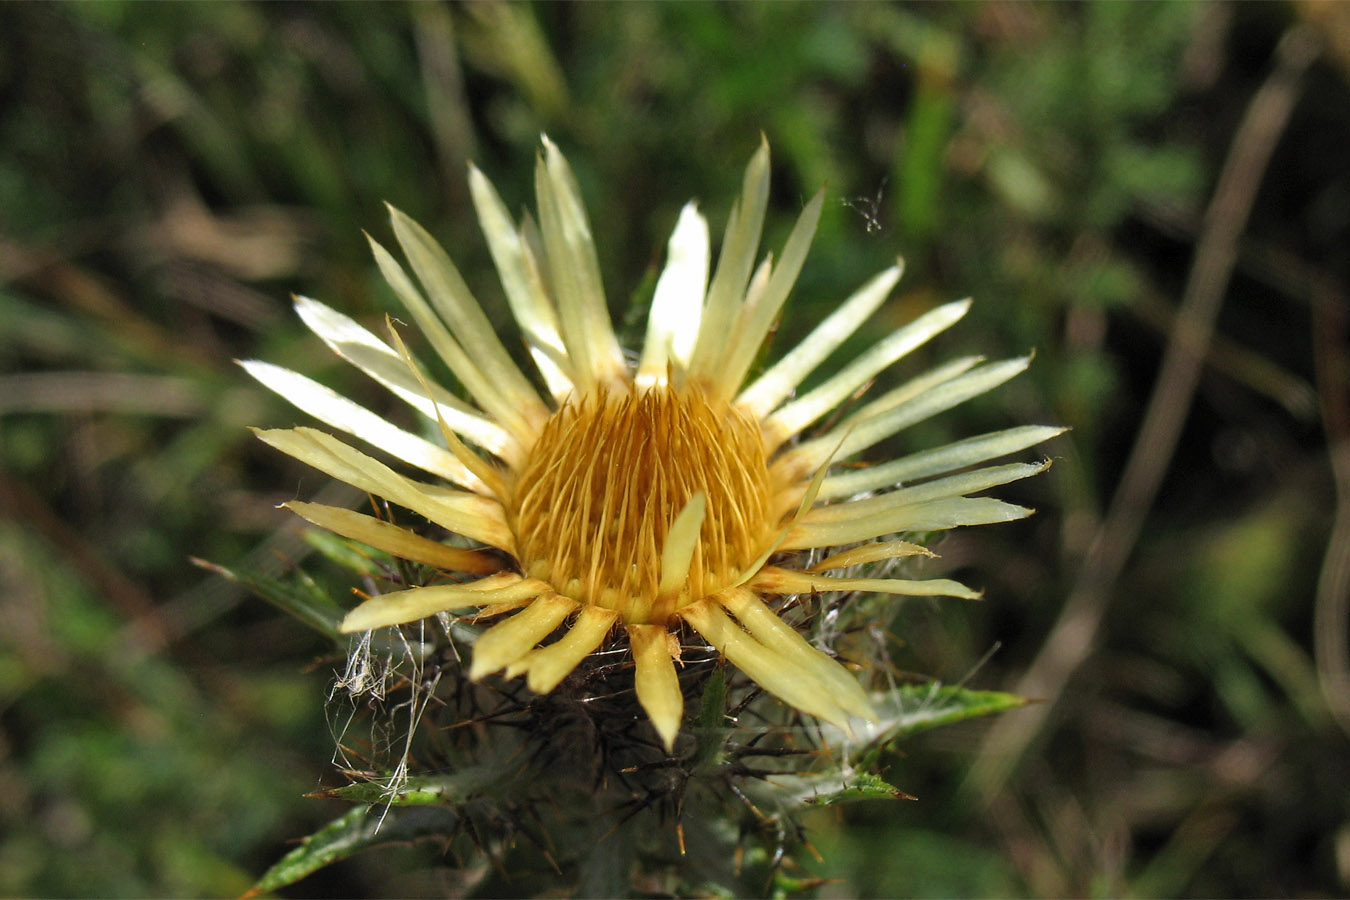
point(711, 728)
point(350, 833)
point(303, 598)
point(788, 792)
point(914, 708)
point(427, 790)
point(351, 555)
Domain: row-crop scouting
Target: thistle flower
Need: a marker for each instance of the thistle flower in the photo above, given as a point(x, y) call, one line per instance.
point(636, 499)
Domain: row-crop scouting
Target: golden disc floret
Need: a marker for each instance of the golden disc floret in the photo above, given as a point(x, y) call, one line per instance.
point(594, 505)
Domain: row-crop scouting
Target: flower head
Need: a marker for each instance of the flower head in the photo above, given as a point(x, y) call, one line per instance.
point(638, 499)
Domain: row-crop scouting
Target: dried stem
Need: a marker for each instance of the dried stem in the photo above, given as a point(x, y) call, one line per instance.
point(1075, 632)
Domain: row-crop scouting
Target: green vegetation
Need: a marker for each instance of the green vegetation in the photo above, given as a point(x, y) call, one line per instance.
point(1106, 179)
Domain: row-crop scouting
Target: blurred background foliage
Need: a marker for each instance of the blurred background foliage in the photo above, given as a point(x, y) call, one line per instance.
point(170, 173)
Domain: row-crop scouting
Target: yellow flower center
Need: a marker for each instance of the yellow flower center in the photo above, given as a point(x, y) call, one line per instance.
point(594, 504)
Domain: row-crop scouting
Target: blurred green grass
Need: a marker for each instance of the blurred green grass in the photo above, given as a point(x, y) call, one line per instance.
point(170, 173)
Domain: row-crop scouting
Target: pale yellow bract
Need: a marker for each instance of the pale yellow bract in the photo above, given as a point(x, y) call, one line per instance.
point(631, 499)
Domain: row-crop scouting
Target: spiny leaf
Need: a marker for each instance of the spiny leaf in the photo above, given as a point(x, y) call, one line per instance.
point(825, 789)
point(350, 833)
point(426, 790)
point(859, 786)
point(912, 708)
point(919, 707)
point(303, 598)
point(352, 555)
point(711, 728)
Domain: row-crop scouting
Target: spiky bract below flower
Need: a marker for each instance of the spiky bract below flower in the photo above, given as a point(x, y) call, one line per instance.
point(637, 499)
